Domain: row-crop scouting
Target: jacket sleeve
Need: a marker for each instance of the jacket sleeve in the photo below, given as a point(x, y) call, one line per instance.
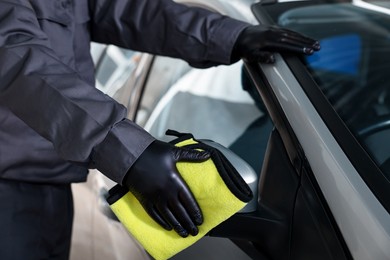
point(163, 27)
point(84, 125)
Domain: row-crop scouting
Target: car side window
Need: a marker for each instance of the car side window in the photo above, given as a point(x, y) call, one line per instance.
point(114, 66)
point(209, 103)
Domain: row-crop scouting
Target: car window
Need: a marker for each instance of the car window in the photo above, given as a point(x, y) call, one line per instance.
point(352, 68)
point(209, 103)
point(113, 66)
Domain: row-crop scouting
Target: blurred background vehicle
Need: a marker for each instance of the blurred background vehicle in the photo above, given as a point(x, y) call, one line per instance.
point(316, 130)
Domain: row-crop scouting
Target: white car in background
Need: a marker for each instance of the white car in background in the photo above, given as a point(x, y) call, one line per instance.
point(315, 129)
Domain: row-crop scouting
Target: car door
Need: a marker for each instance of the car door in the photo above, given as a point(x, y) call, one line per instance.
point(293, 219)
point(323, 191)
point(223, 104)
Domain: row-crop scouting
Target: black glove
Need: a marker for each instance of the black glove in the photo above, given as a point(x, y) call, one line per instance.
point(257, 42)
point(156, 183)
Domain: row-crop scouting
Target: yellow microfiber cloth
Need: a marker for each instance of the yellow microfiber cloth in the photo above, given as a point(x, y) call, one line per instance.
point(216, 185)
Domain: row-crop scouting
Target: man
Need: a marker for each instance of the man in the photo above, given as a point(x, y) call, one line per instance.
point(54, 125)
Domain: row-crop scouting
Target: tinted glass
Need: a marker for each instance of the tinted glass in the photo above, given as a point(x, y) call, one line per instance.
point(352, 69)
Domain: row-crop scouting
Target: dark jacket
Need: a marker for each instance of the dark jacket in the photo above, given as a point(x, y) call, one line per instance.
point(54, 124)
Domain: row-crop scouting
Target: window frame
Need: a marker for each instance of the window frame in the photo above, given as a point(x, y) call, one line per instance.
point(360, 159)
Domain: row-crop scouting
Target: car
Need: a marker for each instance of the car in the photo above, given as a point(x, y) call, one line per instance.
point(315, 129)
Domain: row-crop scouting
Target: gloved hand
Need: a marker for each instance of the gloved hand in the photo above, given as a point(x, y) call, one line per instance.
point(257, 42)
point(156, 183)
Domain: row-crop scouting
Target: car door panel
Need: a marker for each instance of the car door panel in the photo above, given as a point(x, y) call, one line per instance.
point(291, 205)
point(269, 227)
point(314, 232)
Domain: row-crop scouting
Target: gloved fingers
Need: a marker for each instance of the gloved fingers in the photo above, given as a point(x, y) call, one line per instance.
point(191, 206)
point(293, 41)
point(287, 45)
point(302, 41)
point(183, 218)
point(189, 155)
point(285, 32)
point(151, 210)
point(172, 220)
point(256, 43)
point(300, 38)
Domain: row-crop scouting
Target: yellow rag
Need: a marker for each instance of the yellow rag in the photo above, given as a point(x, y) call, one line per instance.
point(215, 199)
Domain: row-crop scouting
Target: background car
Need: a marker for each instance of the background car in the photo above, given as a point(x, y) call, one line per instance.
point(315, 129)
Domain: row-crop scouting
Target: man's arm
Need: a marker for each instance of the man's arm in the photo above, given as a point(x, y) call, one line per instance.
point(200, 37)
point(82, 123)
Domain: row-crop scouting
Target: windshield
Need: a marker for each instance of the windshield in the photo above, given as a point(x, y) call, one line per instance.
point(353, 67)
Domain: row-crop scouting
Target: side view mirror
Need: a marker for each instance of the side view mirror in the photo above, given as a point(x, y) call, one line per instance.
point(244, 169)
